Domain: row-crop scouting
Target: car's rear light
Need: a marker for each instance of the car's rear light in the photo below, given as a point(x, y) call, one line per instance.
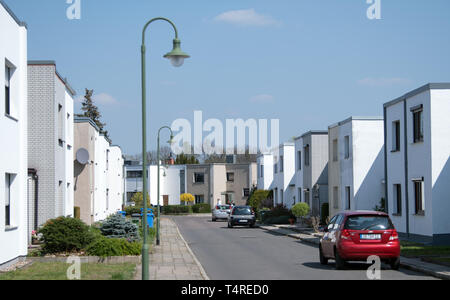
point(345, 234)
point(394, 236)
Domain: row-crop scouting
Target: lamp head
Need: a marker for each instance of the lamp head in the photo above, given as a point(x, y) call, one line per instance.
point(176, 56)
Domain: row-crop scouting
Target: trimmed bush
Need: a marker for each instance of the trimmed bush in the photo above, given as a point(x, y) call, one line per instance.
point(201, 208)
point(105, 247)
point(300, 209)
point(176, 209)
point(120, 228)
point(65, 235)
point(277, 220)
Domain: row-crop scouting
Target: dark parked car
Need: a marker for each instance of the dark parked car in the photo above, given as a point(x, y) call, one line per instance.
point(357, 235)
point(241, 216)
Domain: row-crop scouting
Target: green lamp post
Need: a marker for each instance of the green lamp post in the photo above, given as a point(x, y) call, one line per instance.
point(177, 58)
point(158, 228)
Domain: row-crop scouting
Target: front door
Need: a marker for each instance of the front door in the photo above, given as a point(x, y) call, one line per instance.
point(165, 200)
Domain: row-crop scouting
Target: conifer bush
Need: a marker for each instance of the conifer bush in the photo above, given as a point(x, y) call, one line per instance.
point(117, 227)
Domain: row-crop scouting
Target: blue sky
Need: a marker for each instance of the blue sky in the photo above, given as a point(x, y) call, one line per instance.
point(309, 63)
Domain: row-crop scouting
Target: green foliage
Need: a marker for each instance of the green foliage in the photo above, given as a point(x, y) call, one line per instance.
point(325, 212)
point(277, 211)
point(201, 208)
point(139, 201)
point(277, 220)
point(176, 209)
point(65, 235)
point(257, 198)
point(132, 210)
point(105, 247)
point(300, 209)
point(92, 112)
point(120, 228)
point(184, 159)
point(382, 206)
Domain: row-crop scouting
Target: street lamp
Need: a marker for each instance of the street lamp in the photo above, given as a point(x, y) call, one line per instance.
point(176, 57)
point(158, 228)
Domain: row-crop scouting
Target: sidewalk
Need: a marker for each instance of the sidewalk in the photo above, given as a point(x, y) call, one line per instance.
point(414, 264)
point(173, 259)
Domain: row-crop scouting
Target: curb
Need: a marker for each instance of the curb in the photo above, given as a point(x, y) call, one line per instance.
point(202, 271)
point(411, 267)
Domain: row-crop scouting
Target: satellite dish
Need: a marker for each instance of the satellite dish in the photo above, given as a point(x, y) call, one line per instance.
point(82, 156)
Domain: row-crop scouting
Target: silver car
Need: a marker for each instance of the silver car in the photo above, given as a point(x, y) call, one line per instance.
point(221, 212)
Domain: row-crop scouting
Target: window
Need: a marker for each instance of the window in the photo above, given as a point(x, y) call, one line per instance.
point(134, 174)
point(7, 90)
point(307, 155)
point(8, 182)
point(348, 197)
point(262, 171)
point(199, 178)
point(335, 150)
point(299, 160)
point(275, 168)
point(299, 194)
point(347, 147)
point(281, 196)
point(60, 126)
point(307, 196)
point(395, 136)
point(107, 160)
point(199, 199)
point(230, 177)
point(419, 197)
point(107, 199)
point(182, 182)
point(246, 192)
point(336, 197)
point(275, 195)
point(418, 123)
point(397, 199)
point(281, 164)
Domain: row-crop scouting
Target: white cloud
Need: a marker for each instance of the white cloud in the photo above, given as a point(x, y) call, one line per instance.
point(264, 98)
point(381, 82)
point(246, 17)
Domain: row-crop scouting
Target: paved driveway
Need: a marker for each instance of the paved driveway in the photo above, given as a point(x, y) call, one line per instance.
point(255, 254)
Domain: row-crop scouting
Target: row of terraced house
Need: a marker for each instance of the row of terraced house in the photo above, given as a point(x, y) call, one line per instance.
point(399, 162)
point(52, 163)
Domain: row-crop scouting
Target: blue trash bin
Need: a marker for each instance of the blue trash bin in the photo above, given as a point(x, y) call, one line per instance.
point(123, 213)
point(150, 217)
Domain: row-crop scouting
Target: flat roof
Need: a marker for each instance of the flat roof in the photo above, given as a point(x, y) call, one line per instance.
point(426, 87)
point(11, 13)
point(351, 119)
point(312, 132)
point(53, 63)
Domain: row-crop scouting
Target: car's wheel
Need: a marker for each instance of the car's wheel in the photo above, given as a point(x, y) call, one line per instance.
point(251, 225)
point(323, 259)
point(395, 263)
point(340, 263)
point(214, 219)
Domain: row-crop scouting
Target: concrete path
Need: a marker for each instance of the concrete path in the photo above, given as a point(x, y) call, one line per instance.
point(172, 259)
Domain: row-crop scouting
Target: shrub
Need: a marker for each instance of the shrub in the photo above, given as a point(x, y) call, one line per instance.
point(187, 198)
point(65, 235)
point(176, 209)
point(257, 198)
point(300, 209)
point(120, 228)
point(201, 208)
point(139, 201)
point(105, 247)
point(277, 211)
point(277, 220)
point(325, 212)
point(132, 210)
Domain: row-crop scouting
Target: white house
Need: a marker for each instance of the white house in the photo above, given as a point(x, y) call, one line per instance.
point(283, 186)
point(418, 166)
point(311, 169)
point(356, 164)
point(116, 177)
point(264, 165)
point(13, 133)
point(50, 143)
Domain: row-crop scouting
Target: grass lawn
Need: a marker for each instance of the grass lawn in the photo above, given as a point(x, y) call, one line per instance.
point(58, 271)
point(415, 250)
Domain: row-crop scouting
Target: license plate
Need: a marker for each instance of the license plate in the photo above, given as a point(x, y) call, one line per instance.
point(370, 236)
point(242, 221)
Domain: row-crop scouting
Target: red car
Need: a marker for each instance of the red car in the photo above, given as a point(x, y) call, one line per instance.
point(356, 235)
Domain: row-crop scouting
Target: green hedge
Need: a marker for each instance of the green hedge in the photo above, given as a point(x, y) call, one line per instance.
point(201, 208)
point(176, 209)
point(277, 220)
point(106, 247)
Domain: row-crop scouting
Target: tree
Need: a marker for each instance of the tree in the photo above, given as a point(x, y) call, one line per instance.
point(183, 159)
point(257, 198)
point(300, 210)
point(91, 111)
point(138, 199)
point(187, 198)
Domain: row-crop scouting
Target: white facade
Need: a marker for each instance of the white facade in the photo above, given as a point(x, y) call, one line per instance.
point(421, 162)
point(283, 186)
point(13, 124)
point(69, 197)
point(116, 178)
point(264, 167)
point(356, 164)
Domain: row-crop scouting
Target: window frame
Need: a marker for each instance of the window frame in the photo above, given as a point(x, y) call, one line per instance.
point(8, 184)
point(195, 178)
point(419, 197)
point(397, 195)
point(307, 155)
point(418, 130)
point(396, 136)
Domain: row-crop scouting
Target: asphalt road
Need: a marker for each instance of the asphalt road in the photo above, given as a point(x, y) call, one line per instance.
point(255, 254)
